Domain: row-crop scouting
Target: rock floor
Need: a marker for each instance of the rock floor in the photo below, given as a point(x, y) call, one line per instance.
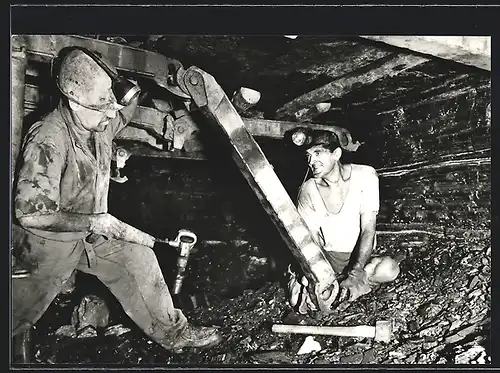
point(439, 306)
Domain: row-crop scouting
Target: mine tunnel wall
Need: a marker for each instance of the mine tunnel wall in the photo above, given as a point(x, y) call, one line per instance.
point(440, 153)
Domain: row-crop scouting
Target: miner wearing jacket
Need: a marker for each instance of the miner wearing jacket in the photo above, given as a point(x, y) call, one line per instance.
point(62, 214)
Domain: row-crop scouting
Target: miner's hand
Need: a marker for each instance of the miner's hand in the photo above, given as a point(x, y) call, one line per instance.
point(354, 285)
point(109, 226)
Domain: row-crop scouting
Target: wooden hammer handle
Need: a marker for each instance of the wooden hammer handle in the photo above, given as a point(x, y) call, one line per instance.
point(341, 331)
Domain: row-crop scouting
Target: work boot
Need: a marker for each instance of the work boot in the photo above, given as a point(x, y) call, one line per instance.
point(197, 337)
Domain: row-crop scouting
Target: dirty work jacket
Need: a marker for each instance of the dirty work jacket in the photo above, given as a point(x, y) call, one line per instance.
point(59, 172)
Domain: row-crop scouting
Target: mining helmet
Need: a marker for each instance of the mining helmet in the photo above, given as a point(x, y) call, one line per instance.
point(90, 80)
point(306, 138)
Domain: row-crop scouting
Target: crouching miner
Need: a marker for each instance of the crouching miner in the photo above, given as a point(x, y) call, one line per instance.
point(339, 204)
point(61, 210)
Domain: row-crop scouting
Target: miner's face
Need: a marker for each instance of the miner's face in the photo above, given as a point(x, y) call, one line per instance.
point(96, 120)
point(320, 160)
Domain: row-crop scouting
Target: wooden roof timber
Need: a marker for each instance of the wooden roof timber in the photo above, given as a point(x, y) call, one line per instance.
point(387, 66)
point(468, 50)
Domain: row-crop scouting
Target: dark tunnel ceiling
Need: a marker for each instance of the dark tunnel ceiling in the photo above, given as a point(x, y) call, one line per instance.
point(283, 69)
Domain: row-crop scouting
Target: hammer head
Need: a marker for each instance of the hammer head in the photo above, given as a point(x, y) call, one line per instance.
point(383, 331)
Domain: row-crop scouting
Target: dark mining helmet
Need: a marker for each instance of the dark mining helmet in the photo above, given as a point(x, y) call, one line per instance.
point(306, 137)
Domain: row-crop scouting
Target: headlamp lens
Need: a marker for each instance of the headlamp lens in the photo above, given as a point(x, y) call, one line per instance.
point(299, 137)
point(124, 90)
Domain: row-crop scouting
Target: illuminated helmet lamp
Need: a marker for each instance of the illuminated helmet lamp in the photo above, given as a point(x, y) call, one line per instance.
point(301, 137)
point(306, 137)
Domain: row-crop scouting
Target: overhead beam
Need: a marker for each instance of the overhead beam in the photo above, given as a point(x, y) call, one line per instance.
point(147, 119)
point(385, 67)
point(152, 120)
point(468, 50)
point(277, 129)
point(136, 140)
point(140, 148)
point(124, 57)
point(306, 115)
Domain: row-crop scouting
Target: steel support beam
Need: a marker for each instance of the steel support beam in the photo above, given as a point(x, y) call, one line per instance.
point(126, 58)
point(153, 119)
point(254, 166)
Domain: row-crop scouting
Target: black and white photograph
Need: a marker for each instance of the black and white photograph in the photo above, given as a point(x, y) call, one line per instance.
point(250, 200)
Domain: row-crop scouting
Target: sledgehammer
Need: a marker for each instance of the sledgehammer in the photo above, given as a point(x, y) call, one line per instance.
point(381, 332)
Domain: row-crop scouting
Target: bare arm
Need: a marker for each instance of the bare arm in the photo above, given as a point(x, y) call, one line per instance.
point(366, 239)
point(368, 218)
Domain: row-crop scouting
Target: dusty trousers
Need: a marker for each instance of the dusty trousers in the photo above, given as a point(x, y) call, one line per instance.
point(130, 271)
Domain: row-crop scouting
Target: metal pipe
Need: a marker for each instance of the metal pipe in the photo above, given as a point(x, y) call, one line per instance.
point(18, 74)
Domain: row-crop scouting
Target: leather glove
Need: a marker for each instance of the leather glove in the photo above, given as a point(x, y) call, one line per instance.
point(354, 286)
point(298, 297)
point(293, 287)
